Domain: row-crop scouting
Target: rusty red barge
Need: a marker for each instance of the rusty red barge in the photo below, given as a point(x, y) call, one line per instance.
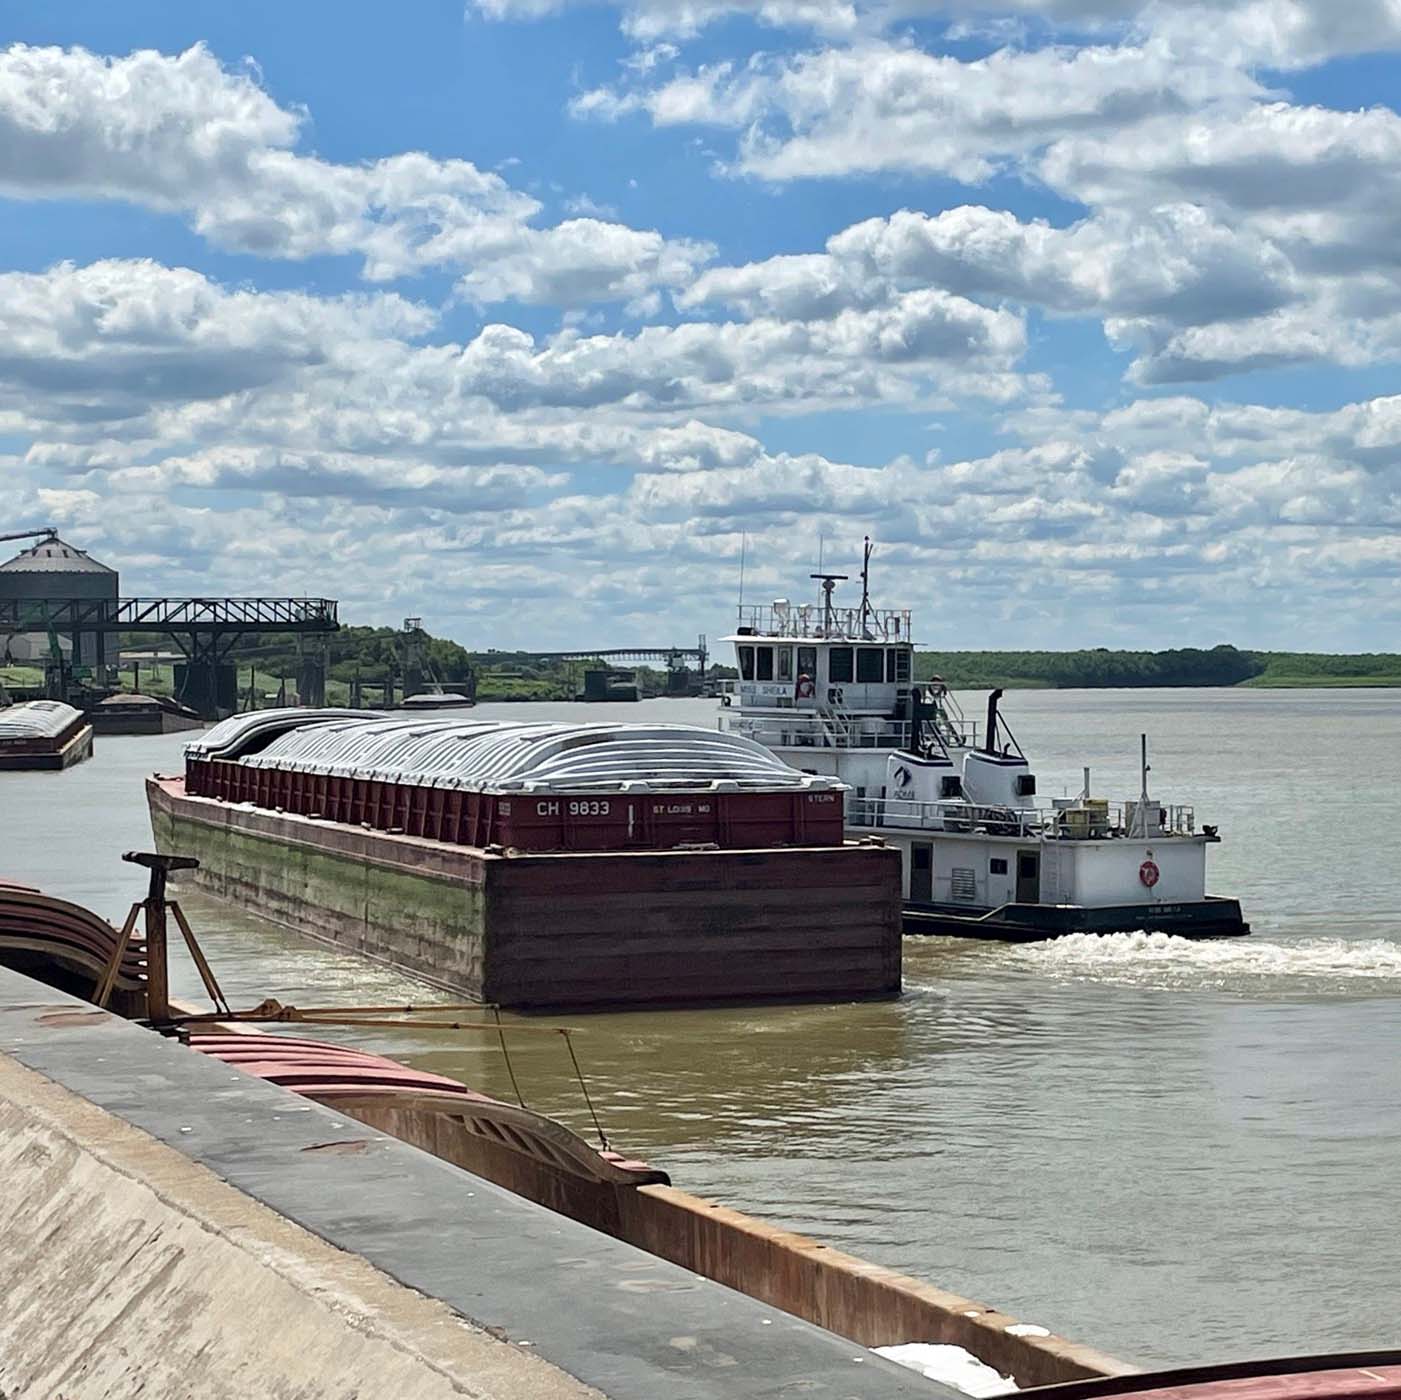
point(541, 865)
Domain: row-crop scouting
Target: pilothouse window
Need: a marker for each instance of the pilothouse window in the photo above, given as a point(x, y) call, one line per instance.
point(870, 666)
point(839, 663)
point(763, 670)
point(785, 663)
point(746, 663)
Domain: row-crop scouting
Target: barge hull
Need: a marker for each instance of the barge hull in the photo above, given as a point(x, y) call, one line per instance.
point(1213, 917)
point(47, 755)
point(559, 931)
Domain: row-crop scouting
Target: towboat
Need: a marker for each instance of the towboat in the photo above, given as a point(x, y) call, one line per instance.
point(831, 690)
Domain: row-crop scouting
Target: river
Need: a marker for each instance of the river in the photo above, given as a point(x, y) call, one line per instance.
point(1174, 1151)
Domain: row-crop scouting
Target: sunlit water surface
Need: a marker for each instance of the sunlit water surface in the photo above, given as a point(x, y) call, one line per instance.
point(1176, 1151)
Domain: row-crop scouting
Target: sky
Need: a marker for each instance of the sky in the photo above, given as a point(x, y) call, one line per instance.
point(546, 320)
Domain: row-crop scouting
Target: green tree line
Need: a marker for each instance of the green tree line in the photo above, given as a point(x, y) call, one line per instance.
point(1101, 668)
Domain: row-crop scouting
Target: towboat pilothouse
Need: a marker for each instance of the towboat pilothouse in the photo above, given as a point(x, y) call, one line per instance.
point(831, 690)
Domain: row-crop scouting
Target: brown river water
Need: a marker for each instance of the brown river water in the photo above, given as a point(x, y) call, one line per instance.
point(1174, 1151)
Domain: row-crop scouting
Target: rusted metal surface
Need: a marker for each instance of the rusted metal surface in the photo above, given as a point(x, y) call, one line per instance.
point(1374, 1375)
point(70, 947)
point(349, 1080)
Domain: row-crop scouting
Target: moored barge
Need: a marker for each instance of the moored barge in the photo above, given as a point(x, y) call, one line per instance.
point(541, 865)
point(128, 713)
point(43, 734)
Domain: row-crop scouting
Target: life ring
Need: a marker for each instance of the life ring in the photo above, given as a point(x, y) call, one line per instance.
point(806, 690)
point(1149, 873)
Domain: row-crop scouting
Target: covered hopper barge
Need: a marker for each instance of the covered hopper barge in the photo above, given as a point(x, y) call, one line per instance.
point(541, 865)
point(43, 734)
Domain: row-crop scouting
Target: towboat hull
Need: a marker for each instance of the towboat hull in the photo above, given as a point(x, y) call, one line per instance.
point(1212, 917)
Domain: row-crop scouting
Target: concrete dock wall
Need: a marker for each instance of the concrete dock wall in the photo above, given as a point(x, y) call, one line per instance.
point(127, 1270)
point(572, 930)
point(171, 1226)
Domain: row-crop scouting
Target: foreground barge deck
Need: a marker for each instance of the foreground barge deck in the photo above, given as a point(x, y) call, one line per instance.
point(581, 930)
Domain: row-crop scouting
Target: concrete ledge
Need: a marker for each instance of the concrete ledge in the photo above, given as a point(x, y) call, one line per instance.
point(129, 1270)
point(105, 1259)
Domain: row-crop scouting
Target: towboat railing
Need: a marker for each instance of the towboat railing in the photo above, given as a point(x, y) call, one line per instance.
point(1066, 820)
point(821, 623)
point(834, 729)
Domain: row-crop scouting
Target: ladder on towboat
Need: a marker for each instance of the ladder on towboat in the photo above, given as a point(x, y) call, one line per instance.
point(836, 729)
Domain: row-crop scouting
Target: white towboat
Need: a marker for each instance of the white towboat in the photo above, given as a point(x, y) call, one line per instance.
point(831, 690)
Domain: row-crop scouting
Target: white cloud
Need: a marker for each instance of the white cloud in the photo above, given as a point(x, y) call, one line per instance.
point(183, 135)
point(1242, 517)
point(583, 260)
point(120, 338)
point(1173, 262)
point(1168, 282)
point(877, 106)
point(120, 358)
point(1279, 33)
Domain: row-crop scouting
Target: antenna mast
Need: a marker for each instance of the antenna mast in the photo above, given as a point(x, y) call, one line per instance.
point(866, 588)
point(743, 542)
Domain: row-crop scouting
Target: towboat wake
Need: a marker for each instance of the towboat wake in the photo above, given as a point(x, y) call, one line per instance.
point(1162, 959)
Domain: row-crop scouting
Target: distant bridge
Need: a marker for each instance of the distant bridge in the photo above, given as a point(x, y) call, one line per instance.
point(671, 656)
point(168, 614)
point(205, 629)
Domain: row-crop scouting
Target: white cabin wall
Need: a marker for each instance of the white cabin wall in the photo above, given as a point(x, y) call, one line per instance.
point(950, 855)
point(1106, 872)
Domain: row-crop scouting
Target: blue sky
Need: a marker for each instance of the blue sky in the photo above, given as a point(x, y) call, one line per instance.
point(526, 316)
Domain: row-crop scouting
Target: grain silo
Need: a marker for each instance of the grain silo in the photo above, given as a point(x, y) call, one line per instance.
point(60, 572)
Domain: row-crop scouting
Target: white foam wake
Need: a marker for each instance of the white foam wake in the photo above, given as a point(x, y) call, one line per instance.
point(1131, 955)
